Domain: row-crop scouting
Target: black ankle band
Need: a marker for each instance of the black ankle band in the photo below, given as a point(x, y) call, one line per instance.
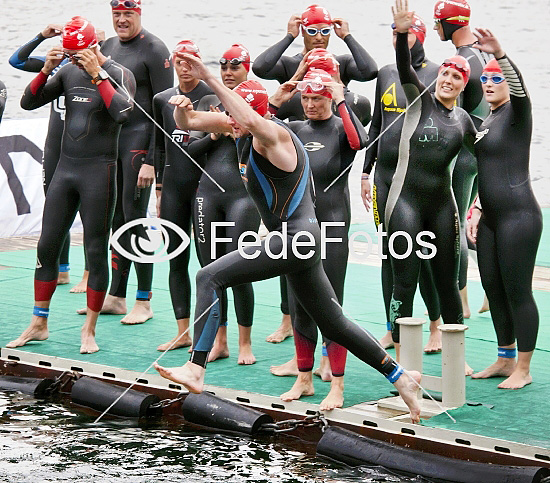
point(199, 357)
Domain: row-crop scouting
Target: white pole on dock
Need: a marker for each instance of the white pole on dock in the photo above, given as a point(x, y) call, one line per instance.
point(453, 365)
point(410, 337)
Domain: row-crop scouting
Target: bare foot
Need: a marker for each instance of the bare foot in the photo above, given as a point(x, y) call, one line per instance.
point(335, 397)
point(219, 351)
point(112, 305)
point(81, 286)
point(38, 330)
point(189, 375)
point(246, 357)
point(485, 306)
point(284, 331)
point(407, 385)
point(503, 367)
point(324, 371)
point(63, 278)
point(468, 371)
point(434, 342)
point(517, 380)
point(303, 386)
point(88, 344)
point(289, 368)
point(386, 341)
point(140, 314)
point(184, 341)
point(465, 306)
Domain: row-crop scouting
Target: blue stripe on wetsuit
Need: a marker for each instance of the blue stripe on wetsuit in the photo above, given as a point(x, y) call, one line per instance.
point(266, 188)
point(299, 194)
point(206, 340)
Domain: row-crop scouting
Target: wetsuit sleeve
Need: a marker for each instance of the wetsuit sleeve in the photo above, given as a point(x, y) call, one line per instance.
point(361, 67)
point(374, 132)
point(158, 146)
point(42, 90)
point(270, 64)
point(22, 60)
point(407, 75)
point(119, 104)
point(3, 98)
point(355, 133)
point(198, 147)
point(519, 97)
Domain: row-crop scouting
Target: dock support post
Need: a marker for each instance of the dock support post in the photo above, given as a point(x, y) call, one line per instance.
point(410, 337)
point(452, 364)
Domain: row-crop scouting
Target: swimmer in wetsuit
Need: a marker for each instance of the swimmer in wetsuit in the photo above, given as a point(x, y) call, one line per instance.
point(331, 143)
point(507, 229)
point(177, 181)
point(3, 98)
point(452, 18)
point(85, 176)
point(390, 104)
point(276, 172)
point(233, 206)
point(420, 197)
point(146, 56)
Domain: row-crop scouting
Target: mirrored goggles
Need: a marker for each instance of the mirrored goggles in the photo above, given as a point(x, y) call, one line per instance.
point(312, 31)
point(124, 3)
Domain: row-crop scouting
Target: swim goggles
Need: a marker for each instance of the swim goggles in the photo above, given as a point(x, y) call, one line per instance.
point(313, 85)
point(224, 61)
point(312, 31)
point(124, 3)
point(495, 78)
point(455, 65)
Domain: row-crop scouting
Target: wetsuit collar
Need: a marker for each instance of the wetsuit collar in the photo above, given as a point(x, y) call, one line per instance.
point(447, 112)
point(133, 39)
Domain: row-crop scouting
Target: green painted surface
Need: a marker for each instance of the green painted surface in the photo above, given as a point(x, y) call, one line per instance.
point(516, 415)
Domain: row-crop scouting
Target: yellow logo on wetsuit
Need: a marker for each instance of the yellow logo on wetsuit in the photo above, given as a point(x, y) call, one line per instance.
point(389, 100)
point(375, 213)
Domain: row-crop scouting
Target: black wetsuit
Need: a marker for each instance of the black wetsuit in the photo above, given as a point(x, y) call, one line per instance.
point(85, 177)
point(211, 206)
point(179, 178)
point(464, 179)
point(283, 197)
point(148, 59)
point(3, 98)
point(331, 145)
point(21, 59)
point(390, 103)
point(511, 224)
point(420, 196)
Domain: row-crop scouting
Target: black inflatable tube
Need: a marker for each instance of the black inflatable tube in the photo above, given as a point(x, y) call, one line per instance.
point(100, 395)
point(353, 449)
point(211, 411)
point(27, 385)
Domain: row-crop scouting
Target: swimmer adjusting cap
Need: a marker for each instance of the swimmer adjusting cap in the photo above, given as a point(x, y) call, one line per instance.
point(314, 83)
point(456, 12)
point(458, 63)
point(134, 5)
point(78, 34)
point(324, 60)
point(492, 66)
point(315, 14)
point(255, 94)
point(187, 47)
point(238, 53)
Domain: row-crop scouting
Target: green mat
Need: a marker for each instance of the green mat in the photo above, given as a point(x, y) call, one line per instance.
point(517, 415)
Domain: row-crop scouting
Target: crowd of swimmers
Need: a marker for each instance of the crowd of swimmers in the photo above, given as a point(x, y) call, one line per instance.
point(224, 151)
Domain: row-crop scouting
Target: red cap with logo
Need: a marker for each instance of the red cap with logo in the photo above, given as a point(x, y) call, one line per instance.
point(418, 28)
point(458, 63)
point(78, 34)
point(255, 94)
point(237, 52)
point(492, 66)
point(134, 5)
point(456, 12)
point(187, 47)
point(315, 14)
point(324, 60)
point(314, 83)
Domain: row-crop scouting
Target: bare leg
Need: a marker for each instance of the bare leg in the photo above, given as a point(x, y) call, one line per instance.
point(408, 387)
point(246, 357)
point(284, 331)
point(465, 306)
point(220, 349)
point(303, 386)
point(521, 376)
point(434, 342)
point(180, 340)
point(37, 330)
point(289, 368)
point(485, 306)
point(386, 342)
point(190, 375)
point(63, 278)
point(140, 314)
point(87, 334)
point(112, 305)
point(335, 397)
point(81, 286)
point(324, 371)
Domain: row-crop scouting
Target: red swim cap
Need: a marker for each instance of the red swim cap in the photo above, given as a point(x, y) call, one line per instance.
point(78, 34)
point(456, 12)
point(324, 60)
point(417, 28)
point(313, 83)
point(492, 66)
point(134, 5)
point(237, 52)
point(255, 94)
point(315, 14)
point(458, 63)
point(187, 47)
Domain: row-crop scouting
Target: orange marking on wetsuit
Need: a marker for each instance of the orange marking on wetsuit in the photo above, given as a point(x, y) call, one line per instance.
point(274, 192)
point(293, 189)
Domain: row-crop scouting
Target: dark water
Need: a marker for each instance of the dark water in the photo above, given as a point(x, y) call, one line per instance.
point(51, 442)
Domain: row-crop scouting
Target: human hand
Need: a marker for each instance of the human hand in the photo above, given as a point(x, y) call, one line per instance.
point(473, 225)
point(89, 61)
point(54, 57)
point(159, 197)
point(401, 16)
point(366, 195)
point(146, 176)
point(337, 91)
point(196, 67)
point(293, 27)
point(487, 42)
point(52, 30)
point(341, 27)
point(283, 93)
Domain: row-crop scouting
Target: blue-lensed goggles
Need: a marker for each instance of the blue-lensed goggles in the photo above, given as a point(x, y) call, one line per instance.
point(495, 78)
